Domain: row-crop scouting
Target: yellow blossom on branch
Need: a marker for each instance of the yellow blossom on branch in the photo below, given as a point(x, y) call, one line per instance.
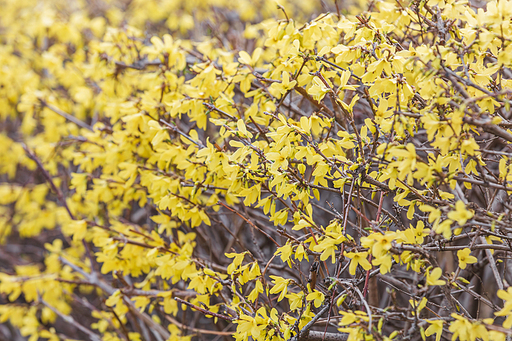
point(358, 258)
point(461, 214)
point(465, 258)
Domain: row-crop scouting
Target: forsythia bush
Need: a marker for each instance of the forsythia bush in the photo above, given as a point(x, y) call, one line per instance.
point(242, 169)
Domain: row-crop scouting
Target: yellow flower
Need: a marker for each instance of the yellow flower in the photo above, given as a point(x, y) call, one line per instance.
point(277, 89)
point(420, 232)
point(507, 308)
point(358, 258)
point(383, 243)
point(246, 59)
point(418, 306)
point(461, 214)
point(465, 258)
point(328, 245)
point(285, 251)
point(280, 285)
point(295, 300)
point(242, 129)
point(444, 227)
point(433, 277)
point(350, 317)
point(385, 262)
point(316, 296)
point(436, 327)
point(318, 89)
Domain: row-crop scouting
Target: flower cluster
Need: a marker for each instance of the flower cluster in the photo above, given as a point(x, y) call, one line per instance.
point(176, 169)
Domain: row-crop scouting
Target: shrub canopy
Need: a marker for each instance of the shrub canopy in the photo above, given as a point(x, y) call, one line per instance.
point(216, 169)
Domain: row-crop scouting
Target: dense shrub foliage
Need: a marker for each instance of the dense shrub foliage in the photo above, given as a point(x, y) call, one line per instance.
point(241, 169)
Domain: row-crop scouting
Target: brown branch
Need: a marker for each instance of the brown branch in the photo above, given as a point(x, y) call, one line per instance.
point(197, 330)
point(490, 128)
point(318, 105)
point(67, 116)
point(70, 320)
point(205, 311)
point(249, 222)
point(49, 179)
